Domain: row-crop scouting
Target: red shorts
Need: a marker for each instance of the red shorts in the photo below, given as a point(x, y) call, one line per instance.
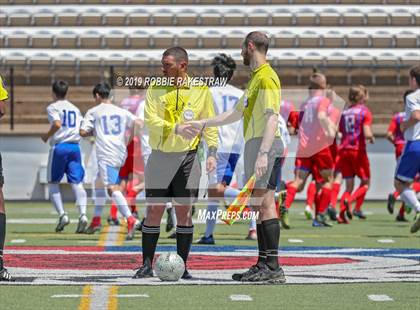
point(354, 163)
point(399, 148)
point(134, 162)
point(315, 163)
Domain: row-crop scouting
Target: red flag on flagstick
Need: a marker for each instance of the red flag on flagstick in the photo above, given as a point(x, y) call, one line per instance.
point(240, 202)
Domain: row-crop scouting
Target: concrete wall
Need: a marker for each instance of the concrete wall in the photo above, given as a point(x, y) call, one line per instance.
point(23, 157)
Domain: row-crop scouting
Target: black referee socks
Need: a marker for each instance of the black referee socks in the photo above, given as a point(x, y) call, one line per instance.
point(150, 236)
point(184, 237)
point(2, 236)
point(271, 232)
point(262, 255)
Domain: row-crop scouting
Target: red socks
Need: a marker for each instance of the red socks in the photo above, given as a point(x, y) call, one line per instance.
point(114, 211)
point(359, 196)
point(324, 200)
point(96, 221)
point(290, 195)
point(345, 196)
point(416, 187)
point(310, 195)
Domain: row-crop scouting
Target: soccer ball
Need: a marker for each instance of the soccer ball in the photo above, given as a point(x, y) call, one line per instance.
point(169, 267)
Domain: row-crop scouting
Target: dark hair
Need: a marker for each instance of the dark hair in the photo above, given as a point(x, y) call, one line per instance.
point(357, 93)
point(223, 66)
point(415, 73)
point(102, 89)
point(60, 89)
point(317, 81)
point(259, 39)
point(406, 93)
point(178, 52)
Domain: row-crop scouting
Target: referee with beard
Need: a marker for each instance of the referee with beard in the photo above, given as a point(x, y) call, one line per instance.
point(173, 172)
point(259, 107)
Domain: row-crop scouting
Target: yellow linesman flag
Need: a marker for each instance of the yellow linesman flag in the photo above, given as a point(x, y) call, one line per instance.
point(236, 207)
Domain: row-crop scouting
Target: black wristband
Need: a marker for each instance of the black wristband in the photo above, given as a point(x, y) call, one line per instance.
point(212, 152)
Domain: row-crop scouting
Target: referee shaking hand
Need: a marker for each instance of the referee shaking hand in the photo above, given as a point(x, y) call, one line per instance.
point(259, 107)
point(173, 172)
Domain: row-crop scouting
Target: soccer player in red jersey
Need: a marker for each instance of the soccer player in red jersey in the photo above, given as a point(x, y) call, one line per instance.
point(396, 137)
point(316, 133)
point(355, 128)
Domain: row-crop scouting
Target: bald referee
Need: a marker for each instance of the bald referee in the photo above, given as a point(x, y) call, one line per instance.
point(259, 108)
point(173, 172)
point(4, 274)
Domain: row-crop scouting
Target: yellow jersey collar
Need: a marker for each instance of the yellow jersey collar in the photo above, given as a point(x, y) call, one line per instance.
point(260, 68)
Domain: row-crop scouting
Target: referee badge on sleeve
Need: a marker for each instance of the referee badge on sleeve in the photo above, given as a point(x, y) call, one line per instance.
point(188, 115)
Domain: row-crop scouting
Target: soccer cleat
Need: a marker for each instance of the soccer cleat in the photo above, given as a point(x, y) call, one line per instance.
point(186, 275)
point(407, 208)
point(359, 214)
point(93, 228)
point(401, 218)
point(144, 271)
point(63, 221)
point(252, 235)
point(169, 222)
point(320, 221)
point(206, 240)
point(308, 213)
point(284, 218)
point(133, 224)
point(172, 236)
point(341, 219)
point(267, 275)
point(239, 276)
point(348, 211)
point(332, 213)
point(416, 225)
point(113, 221)
point(6, 276)
point(391, 203)
point(81, 226)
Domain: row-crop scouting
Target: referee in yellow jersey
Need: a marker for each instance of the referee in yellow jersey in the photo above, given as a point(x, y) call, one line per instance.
point(259, 107)
point(4, 274)
point(173, 172)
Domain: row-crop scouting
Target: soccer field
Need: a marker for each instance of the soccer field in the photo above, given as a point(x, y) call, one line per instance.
point(371, 264)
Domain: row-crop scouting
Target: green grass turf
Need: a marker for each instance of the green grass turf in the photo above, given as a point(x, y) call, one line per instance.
point(360, 233)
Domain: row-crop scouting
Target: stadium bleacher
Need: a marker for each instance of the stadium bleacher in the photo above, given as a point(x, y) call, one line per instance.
point(369, 41)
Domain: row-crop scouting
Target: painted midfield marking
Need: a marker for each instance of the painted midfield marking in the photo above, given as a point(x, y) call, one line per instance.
point(18, 241)
point(386, 241)
point(295, 241)
point(240, 298)
point(380, 298)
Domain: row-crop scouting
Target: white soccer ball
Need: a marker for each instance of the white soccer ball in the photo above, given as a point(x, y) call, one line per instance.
point(169, 267)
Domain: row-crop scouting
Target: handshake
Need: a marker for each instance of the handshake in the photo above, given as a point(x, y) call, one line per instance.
point(190, 130)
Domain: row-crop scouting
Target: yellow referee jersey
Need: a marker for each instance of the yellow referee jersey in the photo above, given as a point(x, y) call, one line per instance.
point(4, 95)
point(262, 95)
point(167, 106)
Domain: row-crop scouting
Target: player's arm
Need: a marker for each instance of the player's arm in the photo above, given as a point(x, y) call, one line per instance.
point(413, 120)
point(210, 134)
point(2, 108)
point(367, 127)
point(55, 121)
point(390, 135)
point(87, 126)
point(329, 127)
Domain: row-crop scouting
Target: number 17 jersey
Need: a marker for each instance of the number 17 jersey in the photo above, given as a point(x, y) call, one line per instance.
point(110, 125)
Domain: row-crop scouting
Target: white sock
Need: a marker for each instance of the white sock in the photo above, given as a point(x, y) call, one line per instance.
point(55, 197)
point(252, 224)
point(410, 198)
point(211, 223)
point(100, 199)
point(81, 197)
point(122, 204)
point(173, 216)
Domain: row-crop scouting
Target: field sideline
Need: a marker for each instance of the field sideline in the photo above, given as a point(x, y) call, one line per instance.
point(322, 266)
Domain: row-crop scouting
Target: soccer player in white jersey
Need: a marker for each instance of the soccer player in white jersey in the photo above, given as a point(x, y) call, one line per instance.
point(112, 127)
point(409, 164)
point(65, 157)
point(230, 147)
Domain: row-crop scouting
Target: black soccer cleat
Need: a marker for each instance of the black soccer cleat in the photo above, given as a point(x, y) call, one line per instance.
point(6, 276)
point(186, 275)
point(239, 276)
point(359, 214)
point(144, 271)
point(348, 211)
point(332, 213)
point(391, 203)
point(267, 275)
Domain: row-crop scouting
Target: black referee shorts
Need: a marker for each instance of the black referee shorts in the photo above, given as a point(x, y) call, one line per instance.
point(1, 173)
point(270, 179)
point(174, 176)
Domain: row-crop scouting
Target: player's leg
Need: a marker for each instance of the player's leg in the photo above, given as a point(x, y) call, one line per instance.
point(57, 161)
point(310, 199)
point(75, 175)
point(335, 191)
point(4, 274)
point(100, 200)
point(322, 201)
point(345, 202)
point(303, 168)
point(363, 172)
